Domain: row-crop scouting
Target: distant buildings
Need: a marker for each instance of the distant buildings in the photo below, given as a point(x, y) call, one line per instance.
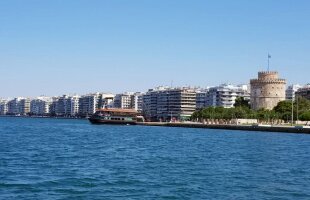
point(166, 104)
point(67, 106)
point(62, 106)
point(18, 106)
point(290, 91)
point(3, 106)
point(90, 102)
point(225, 95)
point(13, 106)
point(304, 92)
point(201, 98)
point(267, 90)
point(161, 103)
point(24, 106)
point(73, 104)
point(106, 100)
point(40, 106)
point(52, 106)
point(128, 100)
point(124, 100)
point(137, 101)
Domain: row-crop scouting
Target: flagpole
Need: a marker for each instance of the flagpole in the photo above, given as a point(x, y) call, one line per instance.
point(268, 61)
point(268, 64)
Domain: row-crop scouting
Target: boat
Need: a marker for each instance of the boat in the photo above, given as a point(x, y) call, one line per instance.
point(116, 116)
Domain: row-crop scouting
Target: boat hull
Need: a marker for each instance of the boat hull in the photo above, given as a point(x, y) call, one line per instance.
point(116, 122)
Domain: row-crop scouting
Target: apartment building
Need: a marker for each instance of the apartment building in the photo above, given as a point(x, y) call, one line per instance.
point(225, 95)
point(24, 106)
point(304, 92)
point(201, 98)
point(3, 106)
point(291, 90)
point(88, 104)
point(128, 100)
point(169, 104)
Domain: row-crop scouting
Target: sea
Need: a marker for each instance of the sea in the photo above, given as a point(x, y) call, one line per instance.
point(44, 158)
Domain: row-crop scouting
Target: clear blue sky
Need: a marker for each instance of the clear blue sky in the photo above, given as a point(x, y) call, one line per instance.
point(55, 47)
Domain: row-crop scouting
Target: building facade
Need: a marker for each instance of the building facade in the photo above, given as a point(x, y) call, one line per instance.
point(290, 91)
point(61, 107)
point(40, 106)
point(24, 106)
point(304, 92)
point(124, 100)
point(169, 104)
point(201, 98)
point(88, 104)
point(13, 106)
point(67, 106)
point(128, 100)
point(3, 107)
point(72, 106)
point(149, 102)
point(53, 105)
point(106, 100)
point(138, 101)
point(225, 95)
point(267, 90)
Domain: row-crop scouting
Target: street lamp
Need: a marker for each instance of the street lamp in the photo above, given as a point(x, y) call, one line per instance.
point(296, 96)
point(292, 111)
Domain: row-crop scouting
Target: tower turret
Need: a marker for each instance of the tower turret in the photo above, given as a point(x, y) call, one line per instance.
point(267, 90)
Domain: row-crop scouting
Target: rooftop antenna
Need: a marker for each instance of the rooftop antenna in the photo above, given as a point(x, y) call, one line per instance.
point(269, 56)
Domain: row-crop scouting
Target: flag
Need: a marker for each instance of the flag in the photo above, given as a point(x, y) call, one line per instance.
point(269, 56)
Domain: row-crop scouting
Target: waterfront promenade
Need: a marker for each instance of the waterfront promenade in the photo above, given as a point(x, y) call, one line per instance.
point(265, 128)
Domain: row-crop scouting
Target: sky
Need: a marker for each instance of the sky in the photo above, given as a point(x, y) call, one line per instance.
point(56, 47)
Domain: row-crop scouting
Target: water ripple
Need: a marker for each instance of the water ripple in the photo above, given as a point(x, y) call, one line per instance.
point(72, 159)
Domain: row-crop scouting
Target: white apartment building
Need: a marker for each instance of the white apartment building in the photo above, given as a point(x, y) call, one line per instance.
point(106, 100)
point(304, 92)
point(138, 101)
point(128, 100)
point(67, 105)
point(166, 104)
point(123, 100)
point(3, 106)
point(14, 107)
point(201, 98)
point(225, 95)
point(88, 104)
point(73, 103)
point(291, 90)
point(61, 107)
point(24, 106)
point(40, 105)
point(53, 105)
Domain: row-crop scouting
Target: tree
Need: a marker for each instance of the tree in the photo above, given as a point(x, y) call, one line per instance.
point(305, 116)
point(241, 102)
point(303, 104)
point(284, 110)
point(283, 106)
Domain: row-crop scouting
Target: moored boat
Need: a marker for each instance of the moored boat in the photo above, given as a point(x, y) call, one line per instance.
point(116, 116)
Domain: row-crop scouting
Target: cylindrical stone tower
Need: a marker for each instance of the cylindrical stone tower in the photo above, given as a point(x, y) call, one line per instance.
point(267, 91)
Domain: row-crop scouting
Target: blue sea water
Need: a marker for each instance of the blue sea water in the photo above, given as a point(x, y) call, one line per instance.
point(72, 159)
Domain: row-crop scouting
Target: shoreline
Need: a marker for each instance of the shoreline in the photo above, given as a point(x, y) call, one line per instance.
point(42, 117)
point(263, 128)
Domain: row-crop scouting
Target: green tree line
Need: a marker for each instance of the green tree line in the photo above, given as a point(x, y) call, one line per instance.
point(242, 110)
